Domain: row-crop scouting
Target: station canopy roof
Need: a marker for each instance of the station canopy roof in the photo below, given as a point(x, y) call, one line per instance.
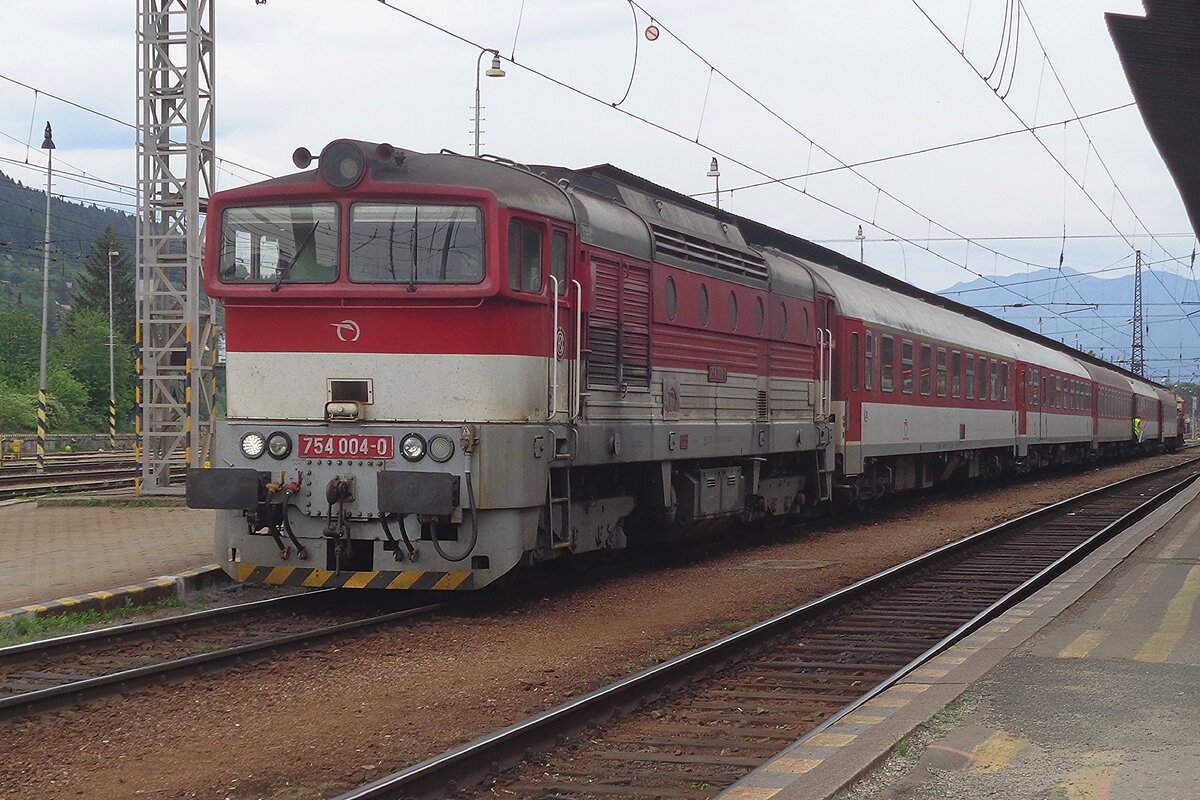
point(1161, 56)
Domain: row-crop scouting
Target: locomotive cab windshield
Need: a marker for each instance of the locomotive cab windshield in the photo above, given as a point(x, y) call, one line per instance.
point(410, 243)
point(271, 244)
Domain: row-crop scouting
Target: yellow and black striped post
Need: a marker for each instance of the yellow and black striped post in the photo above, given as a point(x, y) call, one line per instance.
point(187, 395)
point(41, 430)
point(112, 424)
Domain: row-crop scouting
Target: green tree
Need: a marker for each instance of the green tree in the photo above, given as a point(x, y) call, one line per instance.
point(20, 340)
point(91, 293)
point(81, 349)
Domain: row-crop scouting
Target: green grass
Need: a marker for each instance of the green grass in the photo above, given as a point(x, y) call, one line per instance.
point(66, 501)
point(29, 629)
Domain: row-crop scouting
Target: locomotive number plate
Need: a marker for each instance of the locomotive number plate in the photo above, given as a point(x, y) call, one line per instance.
point(345, 446)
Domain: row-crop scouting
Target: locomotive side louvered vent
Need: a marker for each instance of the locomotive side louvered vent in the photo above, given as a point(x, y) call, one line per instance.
point(693, 250)
point(761, 408)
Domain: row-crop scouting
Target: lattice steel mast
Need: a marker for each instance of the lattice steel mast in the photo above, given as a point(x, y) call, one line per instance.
point(1137, 359)
point(176, 165)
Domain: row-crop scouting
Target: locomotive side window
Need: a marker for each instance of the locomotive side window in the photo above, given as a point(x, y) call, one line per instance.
point(703, 304)
point(970, 376)
point(956, 374)
point(926, 368)
point(276, 244)
point(391, 243)
point(869, 363)
point(558, 261)
point(783, 328)
point(672, 298)
point(732, 311)
point(887, 374)
point(803, 323)
point(760, 315)
point(524, 257)
point(906, 366)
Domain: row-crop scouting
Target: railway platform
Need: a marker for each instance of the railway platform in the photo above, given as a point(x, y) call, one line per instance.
point(1087, 689)
point(81, 557)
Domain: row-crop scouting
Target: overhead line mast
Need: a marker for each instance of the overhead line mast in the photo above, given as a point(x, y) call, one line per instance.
point(1137, 359)
point(175, 331)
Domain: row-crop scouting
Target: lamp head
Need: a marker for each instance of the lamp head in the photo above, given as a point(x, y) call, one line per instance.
point(495, 71)
point(713, 172)
point(48, 141)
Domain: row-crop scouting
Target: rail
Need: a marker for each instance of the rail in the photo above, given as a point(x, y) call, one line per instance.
point(878, 627)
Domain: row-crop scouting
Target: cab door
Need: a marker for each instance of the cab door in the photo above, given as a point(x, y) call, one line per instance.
point(566, 303)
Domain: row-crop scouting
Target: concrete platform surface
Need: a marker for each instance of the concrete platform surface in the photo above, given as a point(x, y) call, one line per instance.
point(1088, 690)
point(47, 553)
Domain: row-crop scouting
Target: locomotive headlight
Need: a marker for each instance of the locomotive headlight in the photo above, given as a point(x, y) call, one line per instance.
point(253, 445)
point(342, 164)
point(279, 445)
point(412, 447)
point(441, 447)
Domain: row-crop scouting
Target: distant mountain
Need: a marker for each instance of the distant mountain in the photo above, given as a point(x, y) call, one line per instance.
point(1106, 330)
point(73, 228)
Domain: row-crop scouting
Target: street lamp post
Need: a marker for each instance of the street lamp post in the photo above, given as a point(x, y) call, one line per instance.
point(112, 384)
point(715, 173)
point(493, 71)
point(48, 146)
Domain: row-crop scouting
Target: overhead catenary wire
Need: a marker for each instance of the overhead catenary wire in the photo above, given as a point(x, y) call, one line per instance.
point(1116, 187)
point(715, 151)
point(923, 151)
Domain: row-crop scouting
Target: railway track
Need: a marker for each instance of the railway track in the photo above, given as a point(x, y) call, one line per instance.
point(78, 472)
point(42, 674)
point(694, 725)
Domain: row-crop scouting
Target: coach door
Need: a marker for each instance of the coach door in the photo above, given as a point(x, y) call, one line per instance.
point(824, 355)
point(563, 380)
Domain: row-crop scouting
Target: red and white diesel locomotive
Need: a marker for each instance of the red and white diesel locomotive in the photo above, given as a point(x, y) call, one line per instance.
point(443, 368)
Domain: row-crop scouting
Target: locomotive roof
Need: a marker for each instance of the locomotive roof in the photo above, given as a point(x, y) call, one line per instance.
point(607, 180)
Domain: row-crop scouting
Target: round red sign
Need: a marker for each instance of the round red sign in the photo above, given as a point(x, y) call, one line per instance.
point(652, 32)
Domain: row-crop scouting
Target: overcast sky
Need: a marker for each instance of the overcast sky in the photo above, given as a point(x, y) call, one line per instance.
point(865, 79)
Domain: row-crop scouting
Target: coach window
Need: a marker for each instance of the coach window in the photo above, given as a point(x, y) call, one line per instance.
point(941, 372)
point(854, 362)
point(1058, 392)
point(995, 379)
point(887, 374)
point(732, 311)
point(524, 257)
point(926, 368)
point(558, 260)
point(1035, 383)
point(672, 298)
point(703, 304)
point(1004, 381)
point(906, 366)
point(970, 376)
point(869, 363)
point(981, 379)
point(955, 374)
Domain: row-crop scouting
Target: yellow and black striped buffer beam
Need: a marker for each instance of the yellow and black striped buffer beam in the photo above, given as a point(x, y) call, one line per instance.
point(314, 577)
